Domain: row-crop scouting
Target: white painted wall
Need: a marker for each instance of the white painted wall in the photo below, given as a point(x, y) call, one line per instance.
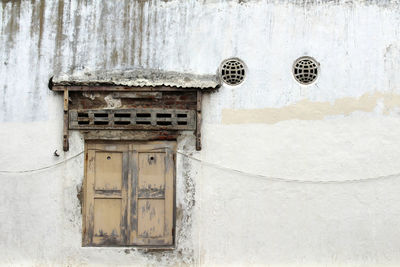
point(344, 127)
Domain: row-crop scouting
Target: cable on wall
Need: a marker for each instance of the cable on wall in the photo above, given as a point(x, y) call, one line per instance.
point(42, 168)
point(289, 180)
point(216, 166)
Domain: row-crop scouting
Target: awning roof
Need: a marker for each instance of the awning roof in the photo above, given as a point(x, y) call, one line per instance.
point(137, 78)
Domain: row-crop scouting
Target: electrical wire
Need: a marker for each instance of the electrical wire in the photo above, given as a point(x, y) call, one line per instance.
point(43, 168)
point(289, 180)
point(228, 169)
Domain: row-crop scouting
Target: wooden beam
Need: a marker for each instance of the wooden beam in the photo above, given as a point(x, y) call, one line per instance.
point(198, 121)
point(138, 95)
point(119, 135)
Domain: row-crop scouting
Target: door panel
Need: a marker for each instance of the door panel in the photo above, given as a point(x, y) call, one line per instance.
point(151, 216)
point(107, 221)
point(151, 176)
point(108, 169)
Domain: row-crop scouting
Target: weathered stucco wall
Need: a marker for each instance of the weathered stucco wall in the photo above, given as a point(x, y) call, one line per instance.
point(344, 127)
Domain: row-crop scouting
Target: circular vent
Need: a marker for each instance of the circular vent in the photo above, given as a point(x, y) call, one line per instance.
point(232, 71)
point(305, 70)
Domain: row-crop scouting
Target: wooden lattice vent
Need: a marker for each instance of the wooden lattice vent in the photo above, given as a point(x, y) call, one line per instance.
point(133, 104)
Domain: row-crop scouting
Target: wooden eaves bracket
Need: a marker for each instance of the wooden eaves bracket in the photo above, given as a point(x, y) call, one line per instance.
point(66, 121)
point(198, 121)
point(171, 101)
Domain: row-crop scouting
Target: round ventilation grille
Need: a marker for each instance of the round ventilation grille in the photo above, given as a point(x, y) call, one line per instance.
point(305, 70)
point(232, 71)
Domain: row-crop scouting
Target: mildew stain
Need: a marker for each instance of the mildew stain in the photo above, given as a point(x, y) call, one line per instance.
point(37, 22)
point(102, 29)
point(149, 18)
point(126, 26)
point(33, 18)
point(140, 33)
point(59, 36)
point(42, 9)
point(309, 3)
point(133, 41)
point(12, 24)
point(4, 107)
point(114, 57)
point(308, 110)
point(154, 33)
point(77, 26)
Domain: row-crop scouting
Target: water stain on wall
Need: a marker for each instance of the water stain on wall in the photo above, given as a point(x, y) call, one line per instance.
point(308, 110)
point(37, 22)
point(308, 3)
point(11, 23)
point(59, 35)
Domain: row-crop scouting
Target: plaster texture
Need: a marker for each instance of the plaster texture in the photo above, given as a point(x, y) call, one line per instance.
point(316, 139)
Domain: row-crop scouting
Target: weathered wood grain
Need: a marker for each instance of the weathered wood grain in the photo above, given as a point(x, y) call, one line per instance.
point(66, 120)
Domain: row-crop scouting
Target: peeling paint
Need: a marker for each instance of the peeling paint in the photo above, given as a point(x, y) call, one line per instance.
point(308, 110)
point(112, 102)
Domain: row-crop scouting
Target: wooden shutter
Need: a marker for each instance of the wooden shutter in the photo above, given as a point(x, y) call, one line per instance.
point(129, 194)
point(106, 195)
point(152, 220)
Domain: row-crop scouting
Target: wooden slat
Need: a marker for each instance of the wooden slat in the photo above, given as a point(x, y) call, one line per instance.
point(84, 202)
point(130, 197)
point(125, 198)
point(89, 198)
point(133, 194)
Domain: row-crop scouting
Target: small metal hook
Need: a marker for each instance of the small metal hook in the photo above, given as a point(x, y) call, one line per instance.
point(56, 154)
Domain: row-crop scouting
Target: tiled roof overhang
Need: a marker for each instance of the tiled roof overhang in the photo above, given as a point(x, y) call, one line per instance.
point(137, 78)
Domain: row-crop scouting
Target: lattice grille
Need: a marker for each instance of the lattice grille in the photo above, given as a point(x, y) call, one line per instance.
point(148, 119)
point(305, 70)
point(232, 71)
